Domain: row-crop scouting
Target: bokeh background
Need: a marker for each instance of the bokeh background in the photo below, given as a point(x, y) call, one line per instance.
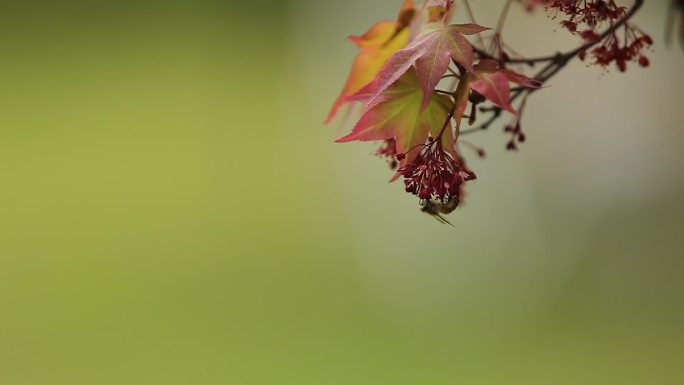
point(173, 211)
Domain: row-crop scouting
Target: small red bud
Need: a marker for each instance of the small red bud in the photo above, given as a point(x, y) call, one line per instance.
point(622, 65)
point(589, 35)
point(569, 25)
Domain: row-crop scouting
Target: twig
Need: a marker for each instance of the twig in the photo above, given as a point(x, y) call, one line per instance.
point(571, 54)
point(557, 63)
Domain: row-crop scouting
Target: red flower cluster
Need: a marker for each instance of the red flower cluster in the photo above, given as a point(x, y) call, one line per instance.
point(621, 51)
point(388, 150)
point(591, 13)
point(588, 12)
point(586, 18)
point(517, 136)
point(435, 175)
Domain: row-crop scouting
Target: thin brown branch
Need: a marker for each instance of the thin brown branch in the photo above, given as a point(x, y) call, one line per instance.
point(570, 54)
point(557, 63)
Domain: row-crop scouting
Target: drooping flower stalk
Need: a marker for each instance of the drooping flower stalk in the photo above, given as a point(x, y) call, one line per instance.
point(435, 174)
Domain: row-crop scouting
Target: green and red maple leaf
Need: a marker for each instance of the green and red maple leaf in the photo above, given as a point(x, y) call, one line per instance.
point(398, 113)
point(492, 82)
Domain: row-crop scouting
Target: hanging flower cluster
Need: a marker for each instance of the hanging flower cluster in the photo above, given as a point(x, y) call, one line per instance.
point(420, 80)
point(388, 150)
point(436, 175)
point(587, 18)
point(621, 51)
point(589, 12)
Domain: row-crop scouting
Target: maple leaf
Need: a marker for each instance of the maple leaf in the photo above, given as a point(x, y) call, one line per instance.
point(398, 115)
point(430, 53)
point(492, 82)
point(377, 46)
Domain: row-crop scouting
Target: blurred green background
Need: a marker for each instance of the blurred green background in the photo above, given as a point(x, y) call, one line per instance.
point(173, 211)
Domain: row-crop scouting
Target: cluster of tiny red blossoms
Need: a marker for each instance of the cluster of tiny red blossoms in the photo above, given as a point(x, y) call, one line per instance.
point(589, 12)
point(517, 135)
point(436, 175)
point(621, 51)
point(587, 17)
point(388, 150)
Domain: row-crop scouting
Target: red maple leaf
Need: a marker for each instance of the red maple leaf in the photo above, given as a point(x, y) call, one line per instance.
point(492, 82)
point(430, 53)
